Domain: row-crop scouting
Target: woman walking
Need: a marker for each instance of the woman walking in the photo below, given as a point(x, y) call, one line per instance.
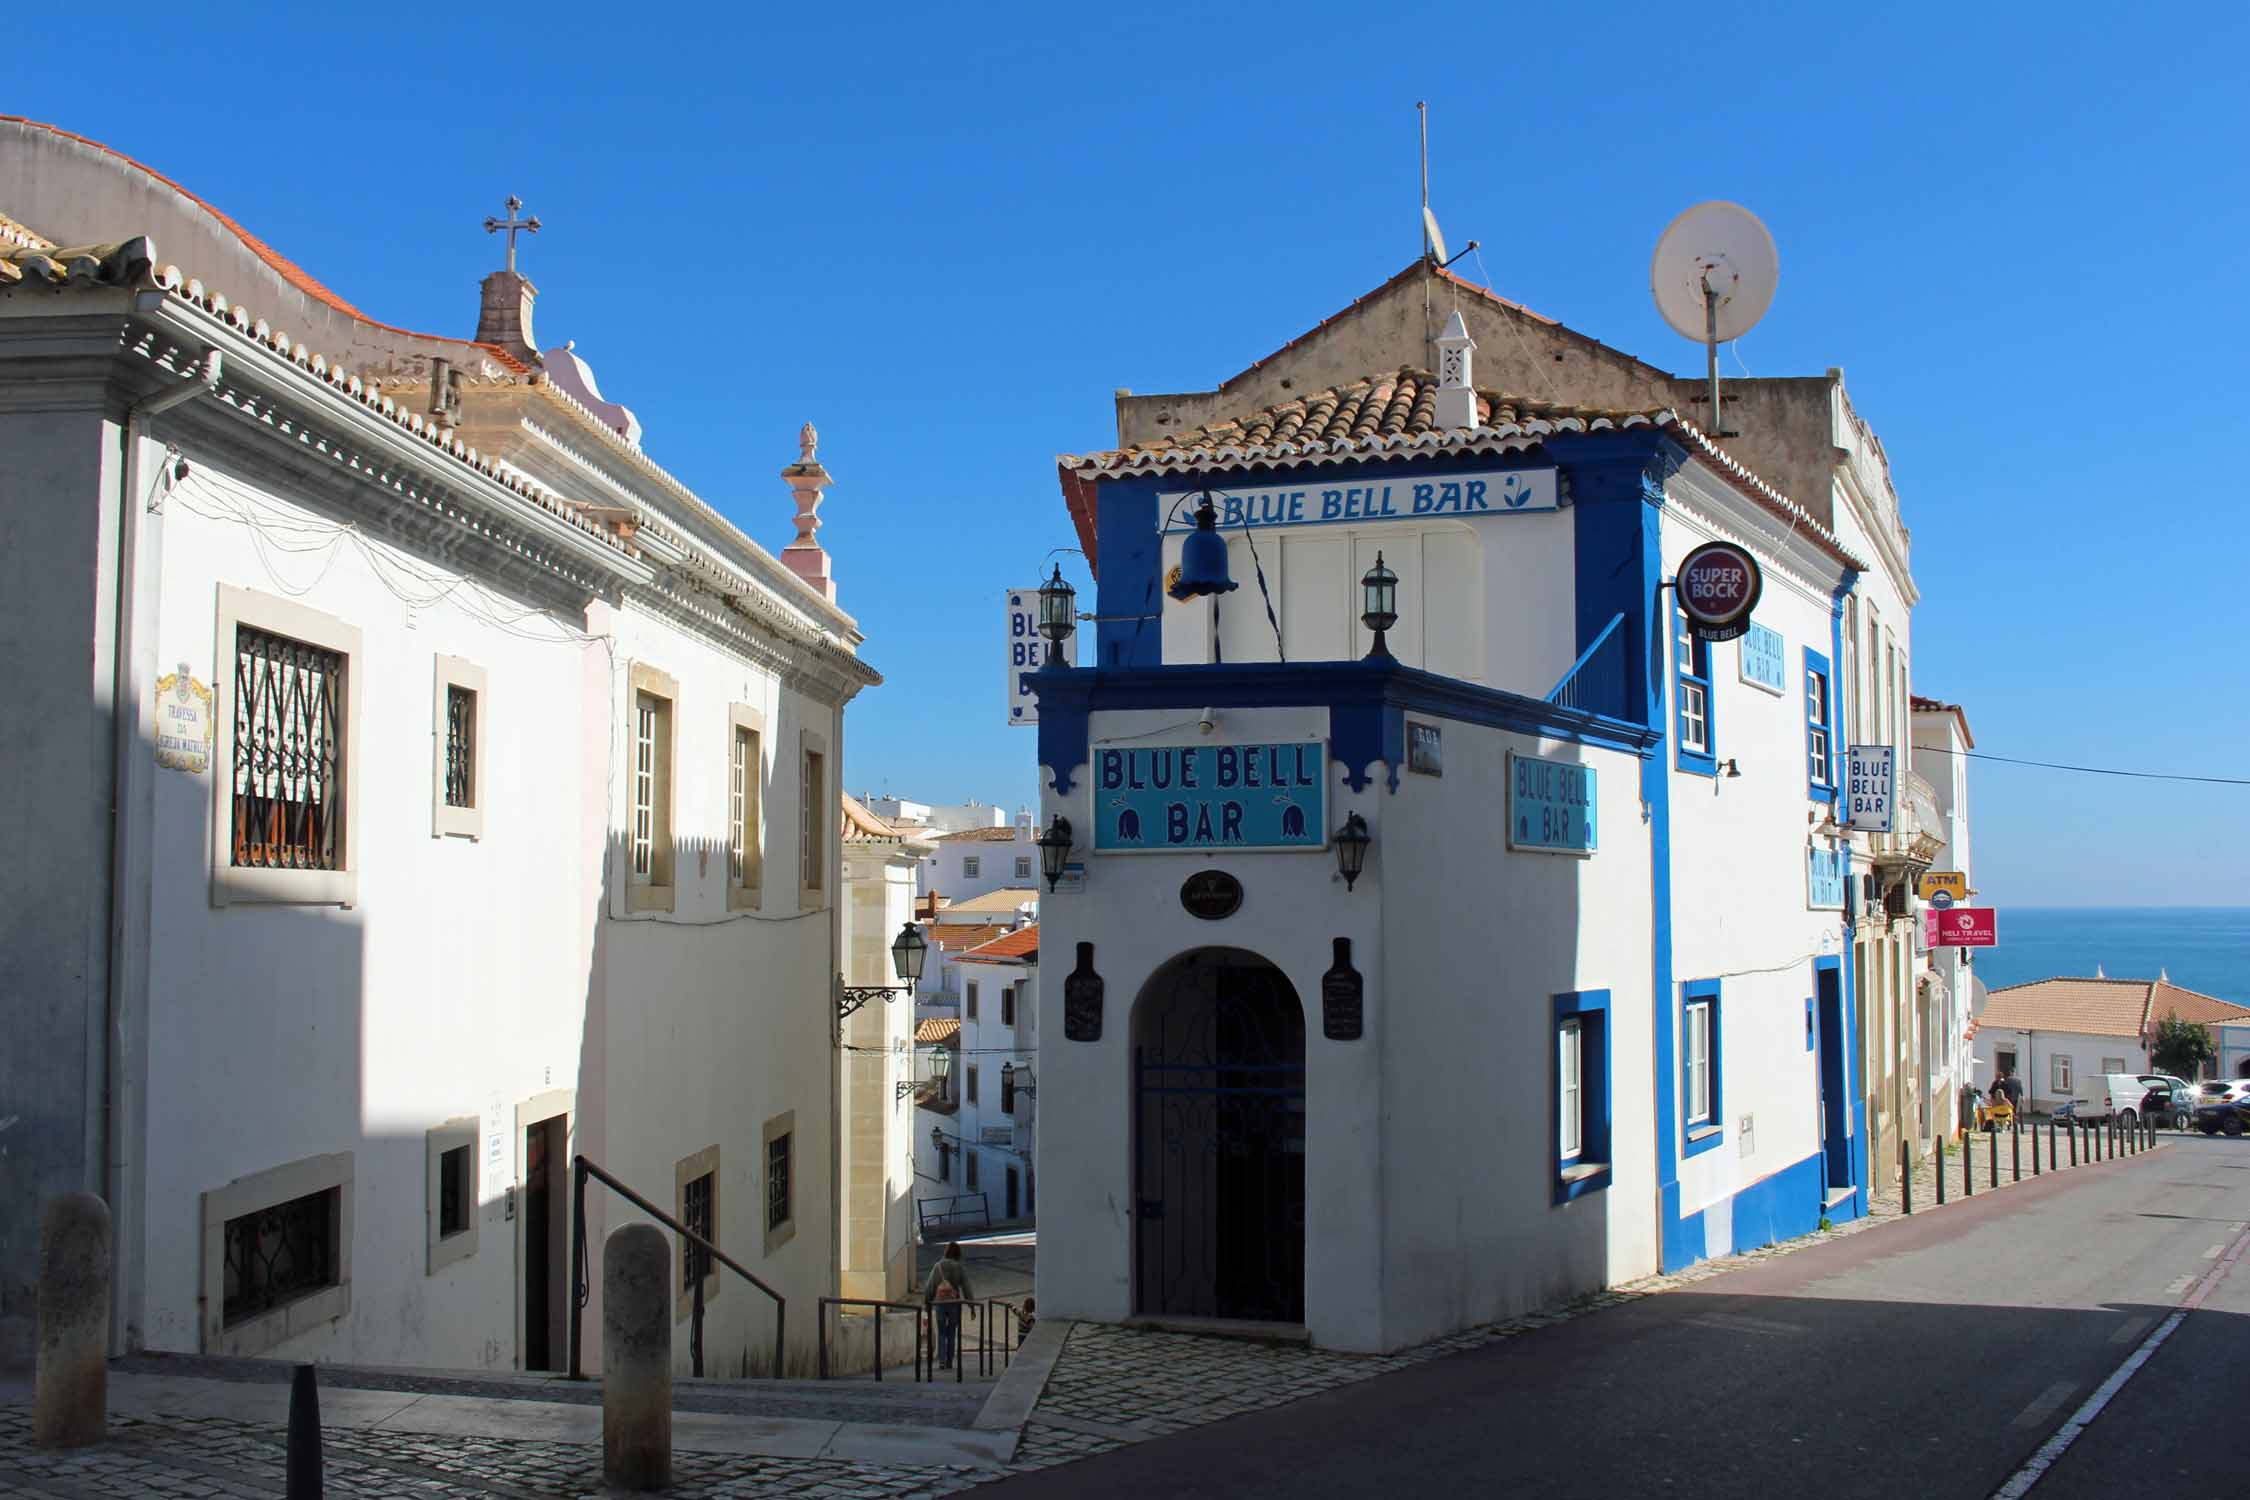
point(946, 1289)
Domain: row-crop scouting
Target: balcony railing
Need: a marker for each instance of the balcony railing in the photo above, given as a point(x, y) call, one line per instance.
point(1595, 682)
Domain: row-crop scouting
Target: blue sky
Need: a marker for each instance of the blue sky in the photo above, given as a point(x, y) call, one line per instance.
point(945, 234)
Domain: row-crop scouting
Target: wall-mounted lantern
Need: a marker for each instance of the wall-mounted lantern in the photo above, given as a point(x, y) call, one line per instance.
point(1054, 849)
point(1351, 847)
point(1058, 614)
point(909, 950)
point(1379, 592)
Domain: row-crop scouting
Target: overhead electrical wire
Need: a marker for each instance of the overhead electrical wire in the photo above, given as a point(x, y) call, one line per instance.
point(2051, 765)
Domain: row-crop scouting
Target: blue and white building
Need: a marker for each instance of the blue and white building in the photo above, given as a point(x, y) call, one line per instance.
point(1586, 1013)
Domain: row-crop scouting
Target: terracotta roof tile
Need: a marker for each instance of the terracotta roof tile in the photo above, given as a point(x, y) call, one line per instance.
point(1022, 943)
point(954, 936)
point(979, 835)
point(1394, 415)
point(2102, 1007)
point(1922, 705)
point(933, 1030)
point(2167, 998)
point(863, 827)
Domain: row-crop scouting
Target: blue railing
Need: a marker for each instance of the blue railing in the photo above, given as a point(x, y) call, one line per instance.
point(1596, 681)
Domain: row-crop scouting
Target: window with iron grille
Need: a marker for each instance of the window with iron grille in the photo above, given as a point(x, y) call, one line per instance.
point(649, 833)
point(453, 1192)
point(971, 867)
point(1007, 1088)
point(1023, 867)
point(460, 746)
point(742, 807)
point(288, 753)
point(276, 1255)
point(777, 1182)
point(697, 1201)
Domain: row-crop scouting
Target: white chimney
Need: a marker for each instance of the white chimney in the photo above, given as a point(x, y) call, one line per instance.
point(1456, 392)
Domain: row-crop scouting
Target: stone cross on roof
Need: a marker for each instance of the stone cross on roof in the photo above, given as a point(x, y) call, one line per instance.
point(512, 224)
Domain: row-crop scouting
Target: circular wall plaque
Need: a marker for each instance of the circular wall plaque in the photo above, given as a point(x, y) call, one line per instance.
point(1719, 585)
point(1211, 895)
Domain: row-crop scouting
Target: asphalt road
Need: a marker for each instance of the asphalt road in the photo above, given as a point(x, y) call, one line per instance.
point(1929, 1357)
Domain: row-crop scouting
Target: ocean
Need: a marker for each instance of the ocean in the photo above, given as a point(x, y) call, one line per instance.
point(2204, 948)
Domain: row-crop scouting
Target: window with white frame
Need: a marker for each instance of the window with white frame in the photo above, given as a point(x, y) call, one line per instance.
point(287, 708)
point(277, 1254)
point(1692, 659)
point(1570, 1090)
point(1701, 1065)
point(1820, 775)
point(971, 867)
point(2058, 1073)
point(2113, 1065)
point(1023, 867)
point(457, 763)
point(649, 884)
point(451, 1155)
point(745, 811)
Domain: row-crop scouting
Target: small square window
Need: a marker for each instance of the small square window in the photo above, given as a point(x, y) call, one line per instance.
point(780, 1180)
point(453, 1192)
point(971, 867)
point(2113, 1065)
point(1581, 1093)
point(2058, 1074)
point(277, 1254)
point(457, 770)
point(1023, 867)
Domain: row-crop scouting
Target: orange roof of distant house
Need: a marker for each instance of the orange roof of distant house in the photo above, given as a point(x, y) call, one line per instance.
point(1922, 705)
point(931, 1030)
point(1006, 835)
point(2101, 1007)
point(963, 935)
point(1022, 943)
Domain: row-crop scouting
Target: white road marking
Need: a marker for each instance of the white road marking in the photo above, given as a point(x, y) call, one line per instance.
point(2175, 1288)
point(2133, 1328)
point(2052, 1450)
point(1737, 1323)
point(2045, 1404)
point(2214, 1252)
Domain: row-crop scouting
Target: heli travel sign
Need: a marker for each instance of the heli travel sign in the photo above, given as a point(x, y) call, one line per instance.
point(1550, 805)
point(1174, 797)
point(1491, 492)
point(1962, 927)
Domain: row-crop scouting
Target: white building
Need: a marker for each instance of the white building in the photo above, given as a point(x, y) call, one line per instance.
point(975, 862)
point(475, 809)
point(2051, 1033)
point(1589, 1010)
point(937, 817)
point(974, 1149)
point(1951, 994)
point(876, 1148)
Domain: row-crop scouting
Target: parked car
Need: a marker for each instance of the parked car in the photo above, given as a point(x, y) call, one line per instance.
point(2228, 1115)
point(2222, 1090)
point(2169, 1103)
point(2102, 1097)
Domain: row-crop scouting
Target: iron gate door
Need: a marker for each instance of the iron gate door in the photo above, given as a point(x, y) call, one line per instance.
point(1219, 1129)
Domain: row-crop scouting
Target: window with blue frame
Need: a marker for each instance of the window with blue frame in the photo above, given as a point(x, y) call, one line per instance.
point(1701, 1065)
point(1579, 1070)
point(1692, 707)
point(1820, 755)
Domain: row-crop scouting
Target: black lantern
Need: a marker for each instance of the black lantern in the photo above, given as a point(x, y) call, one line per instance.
point(1379, 589)
point(1351, 848)
point(1054, 849)
point(1058, 614)
point(908, 951)
point(1203, 557)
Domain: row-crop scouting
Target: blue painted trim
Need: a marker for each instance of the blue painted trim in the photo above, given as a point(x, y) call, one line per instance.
point(1818, 665)
point(1367, 703)
point(1850, 983)
point(1590, 1008)
point(1704, 762)
point(1780, 1206)
point(1812, 1025)
point(1836, 1083)
point(1128, 574)
point(1699, 1136)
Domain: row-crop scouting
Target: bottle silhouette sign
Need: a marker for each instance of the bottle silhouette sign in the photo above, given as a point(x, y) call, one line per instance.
point(1718, 585)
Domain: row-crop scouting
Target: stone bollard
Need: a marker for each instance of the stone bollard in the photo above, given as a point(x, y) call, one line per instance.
point(637, 1358)
point(70, 1393)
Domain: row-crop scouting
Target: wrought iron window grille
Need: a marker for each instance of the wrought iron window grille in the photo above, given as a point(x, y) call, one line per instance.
point(276, 1255)
point(288, 753)
point(695, 1212)
point(777, 1182)
point(460, 746)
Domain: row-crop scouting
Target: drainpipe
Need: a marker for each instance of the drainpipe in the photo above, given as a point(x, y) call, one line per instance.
point(119, 1079)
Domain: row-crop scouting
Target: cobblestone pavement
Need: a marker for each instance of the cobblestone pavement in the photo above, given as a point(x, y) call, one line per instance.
point(1110, 1387)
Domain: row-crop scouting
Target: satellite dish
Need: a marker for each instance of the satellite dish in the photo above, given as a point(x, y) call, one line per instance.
point(1713, 276)
point(1437, 236)
point(1722, 247)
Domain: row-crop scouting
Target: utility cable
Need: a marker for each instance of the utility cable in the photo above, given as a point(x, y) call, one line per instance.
point(2050, 765)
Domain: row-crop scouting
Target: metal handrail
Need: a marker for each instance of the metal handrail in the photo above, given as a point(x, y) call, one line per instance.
point(1569, 678)
point(946, 1215)
point(911, 1309)
point(582, 1287)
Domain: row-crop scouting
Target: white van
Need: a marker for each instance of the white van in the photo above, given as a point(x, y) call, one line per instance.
point(2109, 1096)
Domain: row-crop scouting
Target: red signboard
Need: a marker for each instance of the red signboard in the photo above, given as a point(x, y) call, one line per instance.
point(1961, 927)
point(1719, 585)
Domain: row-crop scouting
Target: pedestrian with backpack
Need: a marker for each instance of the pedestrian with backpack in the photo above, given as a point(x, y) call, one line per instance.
point(944, 1292)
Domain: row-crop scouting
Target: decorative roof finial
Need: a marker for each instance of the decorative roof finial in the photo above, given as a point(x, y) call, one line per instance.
point(807, 480)
point(512, 224)
point(808, 440)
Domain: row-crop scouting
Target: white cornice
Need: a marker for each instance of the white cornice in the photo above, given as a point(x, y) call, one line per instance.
point(1723, 512)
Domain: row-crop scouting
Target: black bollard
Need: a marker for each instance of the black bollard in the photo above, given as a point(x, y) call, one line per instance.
point(1995, 1174)
point(1937, 1171)
point(2015, 1151)
point(2072, 1132)
point(2050, 1145)
point(1968, 1164)
point(2035, 1150)
point(302, 1472)
point(1905, 1177)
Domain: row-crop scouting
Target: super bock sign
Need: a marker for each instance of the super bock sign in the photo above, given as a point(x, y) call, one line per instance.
point(1178, 797)
point(1719, 584)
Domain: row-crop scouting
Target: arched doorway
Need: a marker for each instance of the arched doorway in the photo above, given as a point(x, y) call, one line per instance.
point(1219, 1140)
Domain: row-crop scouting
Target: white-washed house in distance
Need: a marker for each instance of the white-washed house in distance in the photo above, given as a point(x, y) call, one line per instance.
point(1412, 983)
point(475, 808)
point(974, 1156)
